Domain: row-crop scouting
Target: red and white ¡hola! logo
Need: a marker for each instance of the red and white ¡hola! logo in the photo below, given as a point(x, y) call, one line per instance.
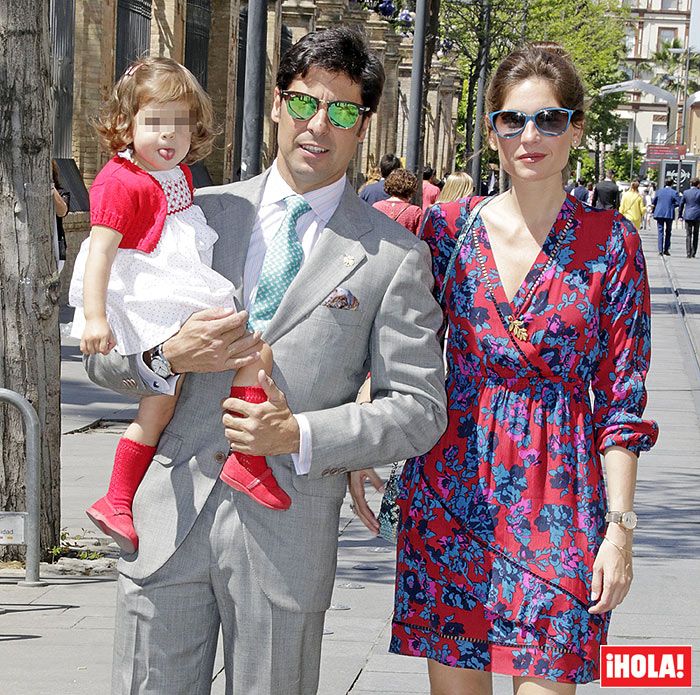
point(653, 667)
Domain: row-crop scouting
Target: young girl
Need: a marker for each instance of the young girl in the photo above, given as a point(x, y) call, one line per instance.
point(147, 267)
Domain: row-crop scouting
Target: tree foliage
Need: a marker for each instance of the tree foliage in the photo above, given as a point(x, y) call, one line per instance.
point(591, 31)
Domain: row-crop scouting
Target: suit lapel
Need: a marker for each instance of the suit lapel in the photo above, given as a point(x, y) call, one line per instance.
point(336, 255)
point(235, 228)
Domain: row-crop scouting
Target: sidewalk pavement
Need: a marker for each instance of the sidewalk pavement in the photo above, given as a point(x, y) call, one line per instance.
point(56, 639)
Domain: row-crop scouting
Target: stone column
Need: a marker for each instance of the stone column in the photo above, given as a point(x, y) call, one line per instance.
point(330, 13)
point(274, 31)
point(168, 29)
point(299, 16)
point(389, 106)
point(223, 73)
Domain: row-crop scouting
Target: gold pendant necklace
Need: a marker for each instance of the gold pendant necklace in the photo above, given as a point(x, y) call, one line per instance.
point(516, 327)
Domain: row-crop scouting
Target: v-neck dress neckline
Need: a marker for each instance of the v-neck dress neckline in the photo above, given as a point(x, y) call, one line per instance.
point(511, 311)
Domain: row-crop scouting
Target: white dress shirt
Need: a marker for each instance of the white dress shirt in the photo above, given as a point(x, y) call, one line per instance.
point(323, 202)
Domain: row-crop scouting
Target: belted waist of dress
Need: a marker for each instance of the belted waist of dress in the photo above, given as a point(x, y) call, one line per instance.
point(523, 382)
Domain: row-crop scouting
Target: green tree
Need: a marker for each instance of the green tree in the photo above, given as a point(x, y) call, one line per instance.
point(667, 68)
point(577, 25)
point(619, 161)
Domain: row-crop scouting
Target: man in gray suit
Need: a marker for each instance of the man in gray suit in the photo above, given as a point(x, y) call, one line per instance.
point(208, 555)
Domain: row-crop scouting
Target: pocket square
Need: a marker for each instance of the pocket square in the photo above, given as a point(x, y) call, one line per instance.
point(340, 298)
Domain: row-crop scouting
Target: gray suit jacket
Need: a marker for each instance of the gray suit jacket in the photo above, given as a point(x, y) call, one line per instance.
point(321, 356)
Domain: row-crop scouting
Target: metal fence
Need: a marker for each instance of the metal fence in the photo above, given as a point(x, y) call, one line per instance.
point(30, 520)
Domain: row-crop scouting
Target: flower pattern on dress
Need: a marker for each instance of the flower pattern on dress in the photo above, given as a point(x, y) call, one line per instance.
point(501, 520)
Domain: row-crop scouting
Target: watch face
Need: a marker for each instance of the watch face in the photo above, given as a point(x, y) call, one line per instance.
point(160, 367)
point(629, 520)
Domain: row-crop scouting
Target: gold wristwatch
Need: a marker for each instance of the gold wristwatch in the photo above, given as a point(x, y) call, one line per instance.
point(627, 520)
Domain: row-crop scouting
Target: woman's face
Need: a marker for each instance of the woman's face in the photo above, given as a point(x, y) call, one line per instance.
point(532, 156)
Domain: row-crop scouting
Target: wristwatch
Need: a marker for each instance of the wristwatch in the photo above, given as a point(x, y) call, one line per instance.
point(159, 363)
point(627, 520)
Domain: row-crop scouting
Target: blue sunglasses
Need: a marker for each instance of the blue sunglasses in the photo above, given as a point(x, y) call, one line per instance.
point(551, 121)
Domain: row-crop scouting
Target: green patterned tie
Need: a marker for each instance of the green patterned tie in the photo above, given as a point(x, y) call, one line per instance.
point(282, 262)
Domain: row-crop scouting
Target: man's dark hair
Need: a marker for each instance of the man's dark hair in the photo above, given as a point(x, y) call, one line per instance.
point(428, 173)
point(695, 181)
point(388, 163)
point(582, 182)
point(668, 182)
point(339, 50)
point(610, 173)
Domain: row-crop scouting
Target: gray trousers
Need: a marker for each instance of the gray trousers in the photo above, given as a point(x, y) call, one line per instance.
point(167, 625)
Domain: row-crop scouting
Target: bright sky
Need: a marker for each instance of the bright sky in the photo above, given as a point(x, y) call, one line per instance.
point(695, 25)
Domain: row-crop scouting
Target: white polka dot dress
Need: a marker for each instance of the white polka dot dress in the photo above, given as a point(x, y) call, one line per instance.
point(150, 295)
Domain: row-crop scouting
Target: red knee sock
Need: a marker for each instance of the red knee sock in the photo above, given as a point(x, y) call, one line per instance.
point(251, 474)
point(130, 463)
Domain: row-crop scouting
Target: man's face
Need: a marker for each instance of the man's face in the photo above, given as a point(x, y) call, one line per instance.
point(314, 153)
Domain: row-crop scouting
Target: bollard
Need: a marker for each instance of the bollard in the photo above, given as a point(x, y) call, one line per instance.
point(32, 435)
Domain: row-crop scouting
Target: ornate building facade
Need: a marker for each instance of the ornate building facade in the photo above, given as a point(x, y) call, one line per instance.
point(98, 39)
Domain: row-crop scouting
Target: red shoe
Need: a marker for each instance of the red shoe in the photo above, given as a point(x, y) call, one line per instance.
point(252, 476)
point(117, 523)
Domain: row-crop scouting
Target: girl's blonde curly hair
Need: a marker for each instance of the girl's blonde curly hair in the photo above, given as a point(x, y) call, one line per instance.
point(159, 80)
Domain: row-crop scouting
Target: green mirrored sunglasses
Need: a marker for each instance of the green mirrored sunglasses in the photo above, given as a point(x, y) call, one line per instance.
point(341, 114)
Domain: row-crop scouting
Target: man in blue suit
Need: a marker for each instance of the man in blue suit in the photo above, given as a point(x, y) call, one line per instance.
point(664, 204)
point(690, 212)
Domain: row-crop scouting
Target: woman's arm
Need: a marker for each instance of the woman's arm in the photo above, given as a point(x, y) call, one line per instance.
point(612, 569)
point(60, 205)
point(97, 336)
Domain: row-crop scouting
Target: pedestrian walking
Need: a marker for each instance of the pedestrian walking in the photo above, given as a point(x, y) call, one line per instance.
point(430, 190)
point(458, 185)
point(581, 191)
point(632, 205)
point(689, 211)
point(664, 204)
point(401, 186)
point(374, 191)
point(606, 194)
point(649, 194)
point(510, 552)
point(351, 292)
point(61, 204)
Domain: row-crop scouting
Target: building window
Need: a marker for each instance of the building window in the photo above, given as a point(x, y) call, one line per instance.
point(658, 133)
point(669, 4)
point(623, 137)
point(665, 35)
point(133, 33)
point(197, 25)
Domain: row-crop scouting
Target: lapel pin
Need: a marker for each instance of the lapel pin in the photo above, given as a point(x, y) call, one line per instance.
point(348, 261)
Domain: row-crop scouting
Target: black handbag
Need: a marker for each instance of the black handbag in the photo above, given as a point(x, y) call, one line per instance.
point(389, 511)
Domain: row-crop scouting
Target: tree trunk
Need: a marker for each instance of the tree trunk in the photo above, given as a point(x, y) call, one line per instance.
point(29, 332)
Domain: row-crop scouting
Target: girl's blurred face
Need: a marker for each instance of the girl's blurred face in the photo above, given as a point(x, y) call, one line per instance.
point(162, 134)
point(532, 156)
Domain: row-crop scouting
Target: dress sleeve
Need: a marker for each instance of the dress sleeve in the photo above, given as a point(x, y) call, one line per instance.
point(625, 346)
point(113, 205)
point(440, 238)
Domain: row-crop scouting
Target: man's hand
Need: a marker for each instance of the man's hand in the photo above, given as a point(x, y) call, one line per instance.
point(263, 429)
point(359, 501)
point(212, 340)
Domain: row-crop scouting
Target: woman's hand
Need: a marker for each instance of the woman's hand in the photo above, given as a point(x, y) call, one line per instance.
point(612, 570)
point(97, 337)
point(356, 483)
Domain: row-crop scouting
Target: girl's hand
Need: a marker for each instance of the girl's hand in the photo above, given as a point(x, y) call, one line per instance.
point(97, 337)
point(612, 571)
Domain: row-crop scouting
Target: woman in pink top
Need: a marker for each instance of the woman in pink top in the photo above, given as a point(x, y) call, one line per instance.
point(401, 186)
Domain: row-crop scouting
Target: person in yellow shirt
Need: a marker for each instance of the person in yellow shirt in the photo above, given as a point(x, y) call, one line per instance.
point(632, 205)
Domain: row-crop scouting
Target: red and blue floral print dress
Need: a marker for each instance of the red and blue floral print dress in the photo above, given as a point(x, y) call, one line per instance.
point(502, 519)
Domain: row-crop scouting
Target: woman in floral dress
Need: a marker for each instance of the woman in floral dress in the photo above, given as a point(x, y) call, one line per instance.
point(503, 564)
